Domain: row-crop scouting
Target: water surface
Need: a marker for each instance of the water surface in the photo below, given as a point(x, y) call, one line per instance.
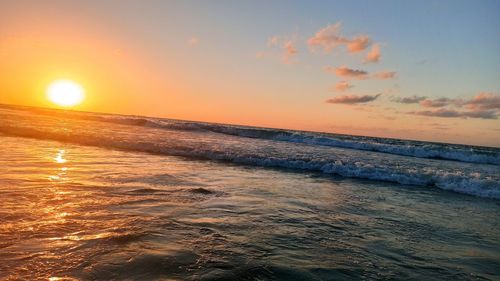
point(89, 199)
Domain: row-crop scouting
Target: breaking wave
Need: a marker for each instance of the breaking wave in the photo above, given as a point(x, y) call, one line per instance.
point(462, 153)
point(419, 149)
point(484, 184)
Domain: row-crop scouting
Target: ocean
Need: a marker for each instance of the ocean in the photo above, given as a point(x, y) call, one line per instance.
point(89, 196)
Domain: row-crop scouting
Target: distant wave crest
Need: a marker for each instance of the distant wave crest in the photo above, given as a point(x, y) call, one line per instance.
point(469, 183)
point(462, 153)
point(418, 149)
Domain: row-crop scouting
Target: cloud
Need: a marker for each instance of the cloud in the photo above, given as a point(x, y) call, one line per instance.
point(342, 86)
point(409, 100)
point(481, 101)
point(352, 99)
point(358, 44)
point(383, 75)
point(286, 46)
point(329, 37)
point(484, 114)
point(437, 113)
point(484, 101)
point(374, 54)
point(345, 72)
point(441, 102)
point(289, 51)
point(273, 41)
point(450, 113)
point(482, 106)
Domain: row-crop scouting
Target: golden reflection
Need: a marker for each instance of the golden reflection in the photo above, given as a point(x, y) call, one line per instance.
point(62, 279)
point(77, 236)
point(54, 178)
point(61, 172)
point(60, 157)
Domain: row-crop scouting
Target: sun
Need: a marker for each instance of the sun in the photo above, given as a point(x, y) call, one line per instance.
point(65, 93)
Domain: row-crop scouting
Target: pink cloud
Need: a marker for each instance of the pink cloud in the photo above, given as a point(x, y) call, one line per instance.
point(482, 105)
point(450, 113)
point(289, 51)
point(484, 101)
point(286, 45)
point(441, 102)
point(353, 99)
point(345, 72)
point(383, 75)
point(290, 48)
point(328, 38)
point(358, 44)
point(374, 54)
point(273, 41)
point(342, 86)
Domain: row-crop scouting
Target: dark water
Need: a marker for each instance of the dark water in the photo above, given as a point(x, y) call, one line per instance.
point(88, 199)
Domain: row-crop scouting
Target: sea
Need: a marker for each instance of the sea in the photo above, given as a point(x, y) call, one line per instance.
point(91, 196)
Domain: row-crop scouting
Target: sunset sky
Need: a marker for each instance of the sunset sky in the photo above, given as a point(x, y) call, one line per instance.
point(427, 70)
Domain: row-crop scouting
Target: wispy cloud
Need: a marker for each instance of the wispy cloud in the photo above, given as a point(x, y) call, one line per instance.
point(451, 113)
point(383, 75)
point(286, 46)
point(273, 41)
point(374, 54)
point(409, 100)
point(289, 51)
point(353, 99)
point(329, 37)
point(484, 101)
point(345, 72)
point(481, 113)
point(440, 102)
point(480, 101)
point(482, 105)
point(343, 86)
point(358, 44)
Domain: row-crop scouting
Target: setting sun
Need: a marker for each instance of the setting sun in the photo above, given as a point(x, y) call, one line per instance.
point(65, 93)
point(239, 140)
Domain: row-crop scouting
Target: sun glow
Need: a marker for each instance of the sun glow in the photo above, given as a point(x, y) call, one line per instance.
point(65, 93)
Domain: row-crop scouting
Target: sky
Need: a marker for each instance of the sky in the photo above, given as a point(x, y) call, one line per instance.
point(426, 70)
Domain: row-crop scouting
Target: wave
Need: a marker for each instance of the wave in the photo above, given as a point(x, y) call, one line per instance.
point(419, 149)
point(468, 182)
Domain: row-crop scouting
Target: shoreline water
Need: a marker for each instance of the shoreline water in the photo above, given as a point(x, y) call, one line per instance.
point(89, 213)
point(222, 144)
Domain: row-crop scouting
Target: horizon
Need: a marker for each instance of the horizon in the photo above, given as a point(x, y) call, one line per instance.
point(241, 125)
point(423, 71)
point(249, 140)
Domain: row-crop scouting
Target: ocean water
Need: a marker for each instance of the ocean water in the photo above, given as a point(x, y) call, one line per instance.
point(88, 196)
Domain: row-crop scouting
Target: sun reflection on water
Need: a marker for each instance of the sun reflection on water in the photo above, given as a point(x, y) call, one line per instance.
point(61, 172)
point(60, 157)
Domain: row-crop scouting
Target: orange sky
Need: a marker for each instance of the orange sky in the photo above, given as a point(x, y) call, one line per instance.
point(154, 62)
